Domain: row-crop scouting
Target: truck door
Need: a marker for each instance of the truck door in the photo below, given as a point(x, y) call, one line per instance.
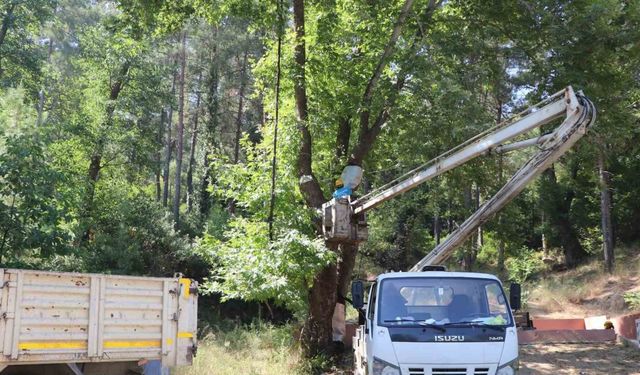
point(370, 323)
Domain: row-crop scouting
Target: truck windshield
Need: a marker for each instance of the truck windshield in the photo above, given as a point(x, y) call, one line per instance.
point(445, 301)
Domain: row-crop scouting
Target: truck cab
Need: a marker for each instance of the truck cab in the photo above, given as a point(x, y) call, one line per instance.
point(436, 323)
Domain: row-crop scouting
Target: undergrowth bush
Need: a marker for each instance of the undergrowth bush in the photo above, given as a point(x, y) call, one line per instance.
point(633, 300)
point(256, 348)
point(524, 265)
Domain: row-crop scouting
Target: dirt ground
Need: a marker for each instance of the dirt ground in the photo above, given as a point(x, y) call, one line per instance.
point(564, 359)
point(579, 359)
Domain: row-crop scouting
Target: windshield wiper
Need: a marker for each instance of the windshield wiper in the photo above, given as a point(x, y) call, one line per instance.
point(421, 323)
point(400, 320)
point(439, 327)
point(475, 324)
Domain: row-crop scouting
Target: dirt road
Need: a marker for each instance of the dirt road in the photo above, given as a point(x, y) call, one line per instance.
point(579, 359)
point(563, 359)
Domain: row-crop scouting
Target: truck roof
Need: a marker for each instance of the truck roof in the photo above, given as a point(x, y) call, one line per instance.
point(469, 275)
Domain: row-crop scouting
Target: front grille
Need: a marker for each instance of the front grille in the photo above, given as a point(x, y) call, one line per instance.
point(449, 371)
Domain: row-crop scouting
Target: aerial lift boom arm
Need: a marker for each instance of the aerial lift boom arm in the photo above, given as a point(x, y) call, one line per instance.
point(344, 221)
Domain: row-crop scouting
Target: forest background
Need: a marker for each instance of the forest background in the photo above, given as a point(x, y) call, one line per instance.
point(137, 137)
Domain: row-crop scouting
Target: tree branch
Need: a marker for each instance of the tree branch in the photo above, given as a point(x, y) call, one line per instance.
point(343, 137)
point(309, 185)
point(368, 133)
point(5, 23)
point(382, 62)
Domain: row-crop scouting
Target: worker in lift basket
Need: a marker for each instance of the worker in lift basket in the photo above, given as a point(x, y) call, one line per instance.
point(348, 181)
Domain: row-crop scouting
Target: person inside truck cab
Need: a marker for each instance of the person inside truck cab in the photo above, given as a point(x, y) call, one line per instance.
point(460, 307)
point(395, 304)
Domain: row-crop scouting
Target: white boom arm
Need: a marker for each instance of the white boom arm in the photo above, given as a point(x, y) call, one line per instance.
point(579, 114)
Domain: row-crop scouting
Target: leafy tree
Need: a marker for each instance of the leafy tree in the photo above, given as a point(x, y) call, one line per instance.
point(20, 50)
point(32, 211)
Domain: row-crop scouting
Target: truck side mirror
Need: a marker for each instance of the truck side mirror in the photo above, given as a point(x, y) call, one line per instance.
point(515, 296)
point(357, 294)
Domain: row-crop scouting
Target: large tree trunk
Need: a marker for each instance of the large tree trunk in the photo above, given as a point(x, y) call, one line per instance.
point(158, 166)
point(605, 212)
point(316, 335)
point(180, 135)
point(317, 330)
point(192, 150)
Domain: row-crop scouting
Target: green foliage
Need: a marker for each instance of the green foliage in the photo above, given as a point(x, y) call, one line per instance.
point(33, 221)
point(252, 268)
point(125, 241)
point(21, 51)
point(633, 300)
point(256, 348)
point(524, 265)
point(466, 66)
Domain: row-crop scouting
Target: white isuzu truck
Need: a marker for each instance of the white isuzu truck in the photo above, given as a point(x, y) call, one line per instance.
point(451, 323)
point(435, 323)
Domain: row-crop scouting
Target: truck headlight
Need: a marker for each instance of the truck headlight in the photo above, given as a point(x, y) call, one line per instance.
point(510, 368)
point(381, 367)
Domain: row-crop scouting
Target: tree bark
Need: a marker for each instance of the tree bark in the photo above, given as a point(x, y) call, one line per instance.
point(322, 295)
point(309, 185)
point(180, 135)
point(317, 330)
point(382, 63)
point(605, 212)
point(468, 258)
point(436, 228)
point(480, 233)
point(192, 149)
point(211, 127)
point(96, 158)
point(236, 148)
point(501, 246)
point(560, 220)
point(161, 129)
point(243, 68)
point(342, 138)
point(169, 147)
point(369, 131)
point(6, 21)
point(95, 161)
point(346, 263)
